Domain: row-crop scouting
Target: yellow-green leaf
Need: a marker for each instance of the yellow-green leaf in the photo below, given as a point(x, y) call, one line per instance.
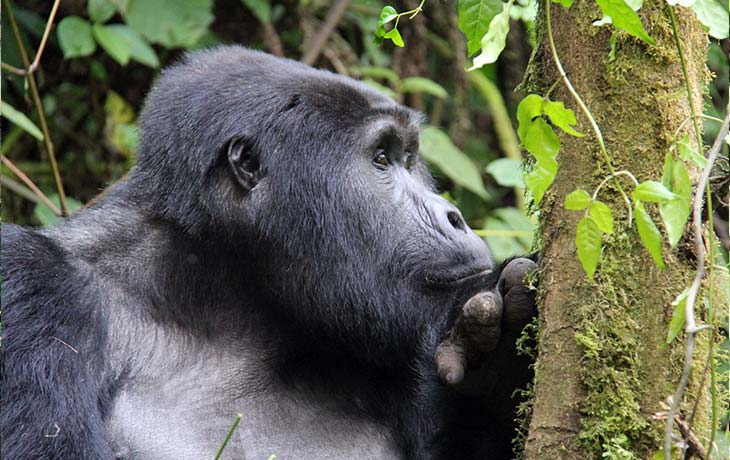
point(577, 200)
point(588, 242)
point(561, 117)
point(675, 212)
point(529, 108)
point(652, 192)
point(678, 316)
point(625, 18)
point(602, 216)
point(649, 233)
point(474, 19)
point(20, 119)
point(494, 40)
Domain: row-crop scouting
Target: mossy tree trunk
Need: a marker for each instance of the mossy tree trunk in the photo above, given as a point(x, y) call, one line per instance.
point(603, 368)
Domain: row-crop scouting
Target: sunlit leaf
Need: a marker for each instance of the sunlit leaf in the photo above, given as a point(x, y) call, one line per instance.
point(561, 117)
point(624, 18)
point(540, 178)
point(437, 149)
point(565, 3)
point(20, 119)
point(529, 108)
point(387, 14)
point(602, 216)
point(395, 37)
point(653, 192)
point(675, 212)
point(541, 141)
point(678, 316)
point(688, 153)
point(588, 242)
point(494, 40)
point(474, 19)
point(507, 172)
point(713, 16)
point(649, 233)
point(577, 200)
point(75, 37)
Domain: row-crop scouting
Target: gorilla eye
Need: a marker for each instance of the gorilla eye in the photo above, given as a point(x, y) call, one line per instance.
point(381, 159)
point(410, 161)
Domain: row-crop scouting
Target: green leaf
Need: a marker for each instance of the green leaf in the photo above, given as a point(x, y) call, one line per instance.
point(541, 177)
point(474, 19)
point(565, 3)
point(561, 117)
point(170, 23)
point(46, 217)
point(113, 41)
point(588, 241)
point(437, 149)
point(381, 88)
point(541, 141)
point(624, 18)
point(529, 108)
point(260, 8)
point(602, 216)
point(507, 172)
point(101, 10)
point(395, 37)
point(387, 14)
point(494, 40)
point(517, 233)
point(688, 153)
point(423, 85)
point(20, 119)
point(653, 192)
point(713, 16)
point(649, 233)
point(75, 37)
point(676, 212)
point(577, 200)
point(678, 316)
point(139, 49)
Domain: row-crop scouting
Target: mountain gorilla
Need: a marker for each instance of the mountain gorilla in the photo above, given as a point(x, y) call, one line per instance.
point(277, 251)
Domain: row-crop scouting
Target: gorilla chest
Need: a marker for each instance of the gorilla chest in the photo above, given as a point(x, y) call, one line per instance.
point(188, 414)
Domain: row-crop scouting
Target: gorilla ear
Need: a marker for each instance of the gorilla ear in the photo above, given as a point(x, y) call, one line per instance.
point(244, 162)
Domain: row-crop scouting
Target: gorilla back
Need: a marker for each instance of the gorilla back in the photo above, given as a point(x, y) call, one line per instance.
point(277, 251)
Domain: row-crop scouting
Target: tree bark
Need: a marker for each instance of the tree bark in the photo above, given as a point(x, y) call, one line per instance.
point(603, 368)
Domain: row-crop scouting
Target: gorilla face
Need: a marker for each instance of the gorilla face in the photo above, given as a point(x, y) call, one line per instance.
point(316, 180)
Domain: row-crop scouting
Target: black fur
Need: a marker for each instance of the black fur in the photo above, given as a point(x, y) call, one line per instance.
point(254, 210)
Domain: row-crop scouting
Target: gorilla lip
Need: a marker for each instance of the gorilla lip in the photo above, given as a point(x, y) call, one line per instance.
point(461, 277)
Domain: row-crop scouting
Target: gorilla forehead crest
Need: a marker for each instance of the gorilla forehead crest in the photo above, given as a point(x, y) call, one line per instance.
point(223, 91)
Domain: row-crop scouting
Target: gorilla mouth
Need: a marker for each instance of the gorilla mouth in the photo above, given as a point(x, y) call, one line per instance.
point(459, 277)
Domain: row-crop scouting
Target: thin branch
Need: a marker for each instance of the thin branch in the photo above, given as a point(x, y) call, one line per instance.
point(39, 107)
point(334, 15)
point(19, 189)
point(29, 183)
point(690, 327)
point(272, 40)
point(39, 53)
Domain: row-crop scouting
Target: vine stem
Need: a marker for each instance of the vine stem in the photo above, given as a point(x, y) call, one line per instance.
point(39, 108)
point(703, 188)
point(581, 104)
point(613, 175)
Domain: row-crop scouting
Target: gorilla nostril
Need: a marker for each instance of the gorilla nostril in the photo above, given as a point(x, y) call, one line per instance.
point(455, 220)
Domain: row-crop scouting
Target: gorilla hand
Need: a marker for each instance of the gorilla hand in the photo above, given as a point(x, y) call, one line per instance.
point(480, 348)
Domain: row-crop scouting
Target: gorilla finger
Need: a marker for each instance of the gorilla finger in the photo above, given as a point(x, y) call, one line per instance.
point(451, 362)
point(483, 309)
point(519, 307)
point(514, 273)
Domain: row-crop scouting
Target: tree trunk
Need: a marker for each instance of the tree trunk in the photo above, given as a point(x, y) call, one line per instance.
point(603, 368)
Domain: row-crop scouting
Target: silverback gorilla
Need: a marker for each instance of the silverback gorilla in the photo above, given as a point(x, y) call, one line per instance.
point(277, 251)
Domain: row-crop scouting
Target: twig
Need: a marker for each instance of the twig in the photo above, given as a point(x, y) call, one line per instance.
point(690, 327)
point(39, 106)
point(272, 40)
point(26, 180)
point(19, 189)
point(39, 53)
point(320, 39)
point(582, 105)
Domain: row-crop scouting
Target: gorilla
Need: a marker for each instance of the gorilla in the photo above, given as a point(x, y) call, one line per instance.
point(277, 251)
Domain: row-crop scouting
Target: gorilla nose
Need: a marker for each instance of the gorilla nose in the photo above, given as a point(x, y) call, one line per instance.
point(448, 218)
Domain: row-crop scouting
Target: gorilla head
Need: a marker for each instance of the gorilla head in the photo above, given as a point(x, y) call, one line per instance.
point(315, 180)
